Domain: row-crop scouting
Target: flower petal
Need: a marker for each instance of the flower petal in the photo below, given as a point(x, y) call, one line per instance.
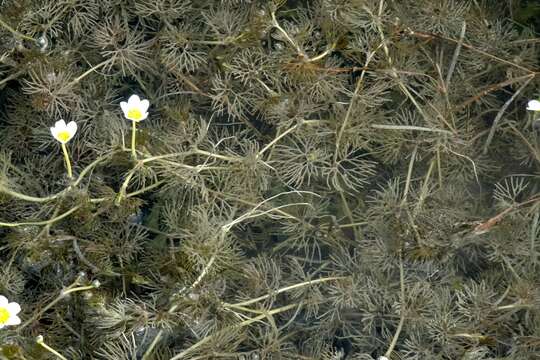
point(54, 132)
point(13, 308)
point(60, 124)
point(134, 100)
point(3, 301)
point(144, 116)
point(72, 128)
point(533, 105)
point(145, 104)
point(13, 320)
point(125, 107)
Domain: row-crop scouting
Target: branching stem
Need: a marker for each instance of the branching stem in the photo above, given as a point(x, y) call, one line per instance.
point(89, 71)
point(63, 293)
point(275, 23)
point(79, 179)
point(233, 327)
point(43, 222)
point(351, 104)
point(15, 32)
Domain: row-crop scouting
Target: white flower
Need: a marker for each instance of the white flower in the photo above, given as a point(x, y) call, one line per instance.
point(135, 109)
point(64, 132)
point(8, 312)
point(533, 105)
point(382, 358)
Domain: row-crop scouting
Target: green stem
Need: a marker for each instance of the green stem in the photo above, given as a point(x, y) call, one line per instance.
point(42, 222)
point(133, 137)
point(68, 162)
point(218, 156)
point(71, 289)
point(82, 174)
point(41, 342)
point(15, 32)
point(233, 327)
point(284, 289)
point(125, 184)
point(89, 71)
point(273, 142)
point(402, 309)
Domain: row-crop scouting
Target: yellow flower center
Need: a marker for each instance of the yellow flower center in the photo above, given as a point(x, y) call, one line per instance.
point(63, 136)
point(134, 114)
point(4, 315)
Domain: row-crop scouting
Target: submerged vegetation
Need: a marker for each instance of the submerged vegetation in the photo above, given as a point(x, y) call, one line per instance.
point(326, 179)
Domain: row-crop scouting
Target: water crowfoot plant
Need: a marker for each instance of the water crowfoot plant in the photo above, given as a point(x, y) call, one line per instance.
point(135, 110)
point(321, 180)
point(63, 133)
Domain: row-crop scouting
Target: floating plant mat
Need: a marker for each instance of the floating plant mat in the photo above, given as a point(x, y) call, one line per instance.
point(258, 179)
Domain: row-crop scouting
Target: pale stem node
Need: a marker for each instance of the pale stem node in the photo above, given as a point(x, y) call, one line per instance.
point(41, 342)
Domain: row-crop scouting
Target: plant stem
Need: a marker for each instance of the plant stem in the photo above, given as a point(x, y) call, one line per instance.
point(224, 229)
point(501, 113)
point(71, 289)
point(40, 341)
point(284, 289)
point(275, 23)
point(125, 184)
point(145, 189)
point(402, 310)
point(173, 308)
point(133, 136)
point(431, 36)
point(273, 142)
point(82, 174)
point(42, 222)
point(89, 71)
point(323, 54)
point(218, 156)
point(233, 327)
point(357, 88)
point(68, 162)
point(492, 88)
point(455, 57)
point(15, 32)
point(409, 127)
point(409, 176)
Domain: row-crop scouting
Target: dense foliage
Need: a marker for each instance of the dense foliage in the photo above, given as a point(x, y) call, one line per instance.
point(326, 179)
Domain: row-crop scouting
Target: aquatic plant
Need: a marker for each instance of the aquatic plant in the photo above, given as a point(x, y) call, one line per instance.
point(63, 133)
point(135, 110)
point(327, 179)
